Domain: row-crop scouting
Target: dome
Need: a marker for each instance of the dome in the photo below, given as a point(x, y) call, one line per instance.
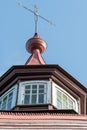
point(36, 43)
point(36, 46)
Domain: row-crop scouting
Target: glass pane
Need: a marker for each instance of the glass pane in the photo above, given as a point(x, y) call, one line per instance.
point(59, 95)
point(41, 86)
point(27, 99)
point(41, 98)
point(65, 104)
point(10, 96)
point(5, 99)
point(64, 98)
point(34, 91)
point(0, 104)
point(41, 91)
point(70, 104)
point(34, 86)
point(59, 104)
point(9, 105)
point(27, 87)
point(65, 107)
point(27, 91)
point(4, 103)
point(3, 107)
point(34, 98)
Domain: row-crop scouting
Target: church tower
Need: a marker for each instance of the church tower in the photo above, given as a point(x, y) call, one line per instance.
point(41, 95)
point(37, 86)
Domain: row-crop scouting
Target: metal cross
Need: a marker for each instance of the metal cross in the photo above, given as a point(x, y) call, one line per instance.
point(36, 15)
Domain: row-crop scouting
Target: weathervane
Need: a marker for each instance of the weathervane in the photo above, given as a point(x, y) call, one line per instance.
point(36, 15)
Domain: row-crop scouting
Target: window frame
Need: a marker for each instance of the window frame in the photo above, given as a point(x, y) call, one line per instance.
point(68, 98)
point(13, 90)
point(56, 87)
point(4, 103)
point(31, 94)
point(21, 94)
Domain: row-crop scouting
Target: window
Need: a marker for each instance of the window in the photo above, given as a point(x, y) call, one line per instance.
point(6, 101)
point(64, 101)
point(10, 96)
point(0, 104)
point(61, 99)
point(35, 93)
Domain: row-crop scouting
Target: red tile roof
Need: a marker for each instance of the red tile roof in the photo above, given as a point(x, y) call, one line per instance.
point(42, 121)
point(37, 115)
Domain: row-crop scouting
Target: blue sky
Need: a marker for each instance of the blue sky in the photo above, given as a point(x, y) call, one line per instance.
point(67, 42)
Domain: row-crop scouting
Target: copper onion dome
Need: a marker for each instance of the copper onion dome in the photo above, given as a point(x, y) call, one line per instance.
point(36, 46)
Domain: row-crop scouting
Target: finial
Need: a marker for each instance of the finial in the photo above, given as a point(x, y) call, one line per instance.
point(36, 15)
point(36, 46)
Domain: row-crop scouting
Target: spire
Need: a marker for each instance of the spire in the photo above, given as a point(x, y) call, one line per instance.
point(36, 46)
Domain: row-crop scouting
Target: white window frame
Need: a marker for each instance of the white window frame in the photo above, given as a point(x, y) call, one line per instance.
point(37, 93)
point(21, 94)
point(56, 88)
point(69, 97)
point(6, 94)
